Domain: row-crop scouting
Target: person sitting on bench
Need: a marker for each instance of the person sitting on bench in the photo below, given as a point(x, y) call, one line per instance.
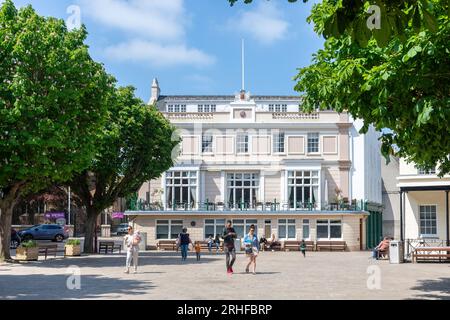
point(273, 242)
point(382, 248)
point(263, 242)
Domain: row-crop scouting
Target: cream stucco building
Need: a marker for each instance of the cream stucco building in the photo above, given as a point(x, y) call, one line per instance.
point(424, 204)
point(261, 160)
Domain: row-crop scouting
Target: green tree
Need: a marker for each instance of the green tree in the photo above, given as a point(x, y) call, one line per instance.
point(404, 87)
point(341, 17)
point(52, 106)
point(136, 146)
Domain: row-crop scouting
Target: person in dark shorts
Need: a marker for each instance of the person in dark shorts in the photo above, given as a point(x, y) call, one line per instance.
point(303, 248)
point(229, 235)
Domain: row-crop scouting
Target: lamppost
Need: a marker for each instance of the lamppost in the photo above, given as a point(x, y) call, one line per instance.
point(92, 192)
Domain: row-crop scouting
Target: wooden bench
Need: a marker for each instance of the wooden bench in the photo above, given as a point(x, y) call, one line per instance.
point(292, 245)
point(170, 245)
point(204, 246)
point(277, 246)
point(331, 245)
point(441, 254)
point(109, 247)
point(46, 249)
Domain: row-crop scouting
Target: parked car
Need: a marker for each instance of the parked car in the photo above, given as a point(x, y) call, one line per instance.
point(53, 232)
point(122, 229)
point(15, 239)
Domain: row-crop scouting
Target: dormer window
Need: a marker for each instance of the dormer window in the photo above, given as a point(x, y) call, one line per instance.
point(278, 108)
point(176, 108)
point(207, 108)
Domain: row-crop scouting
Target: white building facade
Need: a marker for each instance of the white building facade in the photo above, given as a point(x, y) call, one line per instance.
point(424, 204)
point(260, 160)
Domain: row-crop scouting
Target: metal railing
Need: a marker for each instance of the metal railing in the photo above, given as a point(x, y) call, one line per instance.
point(273, 206)
point(412, 244)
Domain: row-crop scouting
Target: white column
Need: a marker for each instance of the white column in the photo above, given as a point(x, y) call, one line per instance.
point(197, 195)
point(223, 184)
point(262, 189)
point(284, 189)
point(202, 186)
point(163, 194)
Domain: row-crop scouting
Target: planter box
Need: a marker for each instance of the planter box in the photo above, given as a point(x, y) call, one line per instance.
point(27, 254)
point(73, 251)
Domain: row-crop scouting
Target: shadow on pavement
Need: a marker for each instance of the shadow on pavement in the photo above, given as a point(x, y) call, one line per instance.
point(54, 287)
point(118, 260)
point(433, 289)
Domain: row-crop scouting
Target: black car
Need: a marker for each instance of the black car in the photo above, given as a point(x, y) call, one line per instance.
point(15, 239)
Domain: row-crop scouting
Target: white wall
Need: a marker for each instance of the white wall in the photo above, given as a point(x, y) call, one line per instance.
point(366, 164)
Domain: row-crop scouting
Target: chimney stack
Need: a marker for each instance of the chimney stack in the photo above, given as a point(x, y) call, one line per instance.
point(155, 91)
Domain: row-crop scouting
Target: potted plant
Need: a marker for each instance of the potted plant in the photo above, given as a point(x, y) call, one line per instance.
point(27, 251)
point(73, 248)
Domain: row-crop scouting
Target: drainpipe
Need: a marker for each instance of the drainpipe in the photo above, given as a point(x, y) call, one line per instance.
point(447, 217)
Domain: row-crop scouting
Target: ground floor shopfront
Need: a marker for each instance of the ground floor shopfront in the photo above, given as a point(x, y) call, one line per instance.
point(324, 226)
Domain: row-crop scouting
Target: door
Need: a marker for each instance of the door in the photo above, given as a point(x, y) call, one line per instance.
point(268, 229)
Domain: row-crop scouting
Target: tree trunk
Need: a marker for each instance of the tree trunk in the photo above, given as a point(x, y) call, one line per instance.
point(89, 229)
point(6, 211)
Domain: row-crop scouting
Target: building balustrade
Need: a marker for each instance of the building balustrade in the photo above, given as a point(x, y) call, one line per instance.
point(271, 206)
point(296, 115)
point(189, 115)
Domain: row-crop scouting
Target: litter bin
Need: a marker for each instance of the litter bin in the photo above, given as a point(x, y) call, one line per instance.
point(143, 244)
point(396, 254)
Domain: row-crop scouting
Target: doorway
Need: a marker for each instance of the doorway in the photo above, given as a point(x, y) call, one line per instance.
point(268, 229)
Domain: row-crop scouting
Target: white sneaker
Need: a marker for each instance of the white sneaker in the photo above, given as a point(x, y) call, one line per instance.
point(126, 271)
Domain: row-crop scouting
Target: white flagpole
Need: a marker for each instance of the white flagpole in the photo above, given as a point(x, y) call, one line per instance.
point(243, 64)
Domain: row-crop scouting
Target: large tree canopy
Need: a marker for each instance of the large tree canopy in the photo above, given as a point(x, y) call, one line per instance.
point(404, 86)
point(341, 17)
point(52, 106)
point(136, 146)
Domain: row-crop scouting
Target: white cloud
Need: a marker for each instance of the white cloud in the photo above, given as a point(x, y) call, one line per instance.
point(157, 29)
point(156, 54)
point(264, 23)
point(150, 18)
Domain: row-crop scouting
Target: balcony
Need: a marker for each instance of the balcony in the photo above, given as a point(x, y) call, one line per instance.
point(258, 207)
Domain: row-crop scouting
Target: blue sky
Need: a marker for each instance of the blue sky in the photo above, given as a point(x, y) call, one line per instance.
point(194, 46)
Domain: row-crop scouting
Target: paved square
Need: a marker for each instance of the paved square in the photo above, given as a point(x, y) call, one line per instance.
point(162, 275)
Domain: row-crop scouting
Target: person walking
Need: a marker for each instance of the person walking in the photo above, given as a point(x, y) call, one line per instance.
point(198, 249)
point(251, 244)
point(303, 248)
point(184, 240)
point(229, 235)
point(132, 241)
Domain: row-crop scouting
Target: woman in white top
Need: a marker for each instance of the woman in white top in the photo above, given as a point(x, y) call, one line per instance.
point(132, 241)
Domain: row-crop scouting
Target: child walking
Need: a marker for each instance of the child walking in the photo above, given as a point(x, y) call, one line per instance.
point(303, 248)
point(198, 249)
